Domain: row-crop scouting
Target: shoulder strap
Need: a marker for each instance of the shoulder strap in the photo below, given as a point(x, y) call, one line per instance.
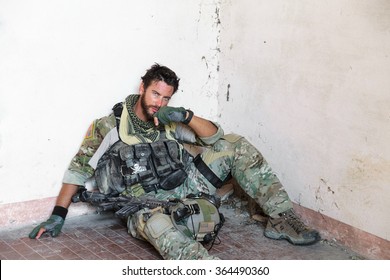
point(117, 109)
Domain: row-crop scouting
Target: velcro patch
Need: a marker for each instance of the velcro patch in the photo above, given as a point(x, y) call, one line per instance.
point(90, 130)
point(205, 227)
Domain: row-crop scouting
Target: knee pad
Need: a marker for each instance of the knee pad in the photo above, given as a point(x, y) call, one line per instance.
point(136, 224)
point(157, 225)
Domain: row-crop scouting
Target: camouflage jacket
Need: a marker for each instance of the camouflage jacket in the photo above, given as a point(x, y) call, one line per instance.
point(80, 168)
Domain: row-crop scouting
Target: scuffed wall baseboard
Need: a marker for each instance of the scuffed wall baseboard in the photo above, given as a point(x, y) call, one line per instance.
point(35, 211)
point(359, 241)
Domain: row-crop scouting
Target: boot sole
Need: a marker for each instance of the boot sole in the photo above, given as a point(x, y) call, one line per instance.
point(279, 236)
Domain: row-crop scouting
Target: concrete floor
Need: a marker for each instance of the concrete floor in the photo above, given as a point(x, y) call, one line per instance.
point(102, 236)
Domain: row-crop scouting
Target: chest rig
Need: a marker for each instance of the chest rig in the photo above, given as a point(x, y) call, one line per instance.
point(152, 166)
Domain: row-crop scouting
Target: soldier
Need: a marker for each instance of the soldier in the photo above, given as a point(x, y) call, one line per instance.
point(138, 150)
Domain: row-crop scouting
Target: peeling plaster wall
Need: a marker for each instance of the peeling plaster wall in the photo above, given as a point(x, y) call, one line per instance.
point(65, 63)
point(308, 83)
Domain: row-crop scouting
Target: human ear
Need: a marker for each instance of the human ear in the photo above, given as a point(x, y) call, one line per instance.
point(141, 88)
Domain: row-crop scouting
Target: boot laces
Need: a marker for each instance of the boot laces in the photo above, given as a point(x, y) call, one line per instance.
point(294, 221)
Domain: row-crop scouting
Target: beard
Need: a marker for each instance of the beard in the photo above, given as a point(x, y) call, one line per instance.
point(146, 108)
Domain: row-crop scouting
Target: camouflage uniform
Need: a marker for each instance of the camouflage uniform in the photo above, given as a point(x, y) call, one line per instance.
point(224, 155)
point(79, 170)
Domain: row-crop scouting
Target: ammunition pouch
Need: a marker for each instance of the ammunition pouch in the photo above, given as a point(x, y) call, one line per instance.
point(152, 165)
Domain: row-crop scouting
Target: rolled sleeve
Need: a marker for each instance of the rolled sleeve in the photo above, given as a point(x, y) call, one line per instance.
point(79, 169)
point(213, 138)
point(74, 178)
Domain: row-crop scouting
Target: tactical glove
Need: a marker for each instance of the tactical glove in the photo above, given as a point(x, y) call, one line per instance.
point(168, 114)
point(53, 226)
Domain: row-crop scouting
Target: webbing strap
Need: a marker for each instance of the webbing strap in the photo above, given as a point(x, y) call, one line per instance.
point(117, 109)
point(207, 172)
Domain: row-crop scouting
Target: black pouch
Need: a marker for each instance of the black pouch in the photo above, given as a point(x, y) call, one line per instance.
point(169, 168)
point(108, 174)
point(173, 180)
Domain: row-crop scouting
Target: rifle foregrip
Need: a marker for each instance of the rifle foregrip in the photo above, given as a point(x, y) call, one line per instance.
point(106, 207)
point(127, 210)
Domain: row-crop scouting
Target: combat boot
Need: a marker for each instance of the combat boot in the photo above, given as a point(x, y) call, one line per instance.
point(288, 226)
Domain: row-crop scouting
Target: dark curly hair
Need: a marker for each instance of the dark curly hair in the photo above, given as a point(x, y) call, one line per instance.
point(161, 73)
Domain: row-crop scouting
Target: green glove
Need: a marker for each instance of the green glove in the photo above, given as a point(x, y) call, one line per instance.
point(53, 226)
point(168, 114)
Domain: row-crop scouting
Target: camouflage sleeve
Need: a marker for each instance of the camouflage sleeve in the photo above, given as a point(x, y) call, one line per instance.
point(79, 170)
point(213, 138)
point(184, 133)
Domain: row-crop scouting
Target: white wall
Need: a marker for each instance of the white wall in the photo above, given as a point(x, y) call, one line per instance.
point(65, 63)
point(309, 85)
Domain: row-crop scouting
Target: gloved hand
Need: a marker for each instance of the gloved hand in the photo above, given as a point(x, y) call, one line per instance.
point(53, 226)
point(168, 114)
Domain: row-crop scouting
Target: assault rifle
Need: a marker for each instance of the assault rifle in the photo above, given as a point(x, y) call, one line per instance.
point(123, 206)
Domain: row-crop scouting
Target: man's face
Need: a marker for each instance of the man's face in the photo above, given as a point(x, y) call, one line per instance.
point(156, 95)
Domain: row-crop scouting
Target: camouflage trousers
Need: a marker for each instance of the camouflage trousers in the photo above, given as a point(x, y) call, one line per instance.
point(171, 243)
point(232, 155)
point(236, 156)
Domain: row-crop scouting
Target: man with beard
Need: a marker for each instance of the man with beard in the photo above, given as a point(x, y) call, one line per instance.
point(148, 137)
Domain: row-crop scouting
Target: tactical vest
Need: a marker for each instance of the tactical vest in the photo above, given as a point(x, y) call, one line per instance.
point(154, 166)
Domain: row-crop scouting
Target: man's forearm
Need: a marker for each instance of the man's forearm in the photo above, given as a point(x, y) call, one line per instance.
point(54, 224)
point(202, 127)
point(65, 196)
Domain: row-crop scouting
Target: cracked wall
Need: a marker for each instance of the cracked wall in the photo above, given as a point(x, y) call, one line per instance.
point(308, 83)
